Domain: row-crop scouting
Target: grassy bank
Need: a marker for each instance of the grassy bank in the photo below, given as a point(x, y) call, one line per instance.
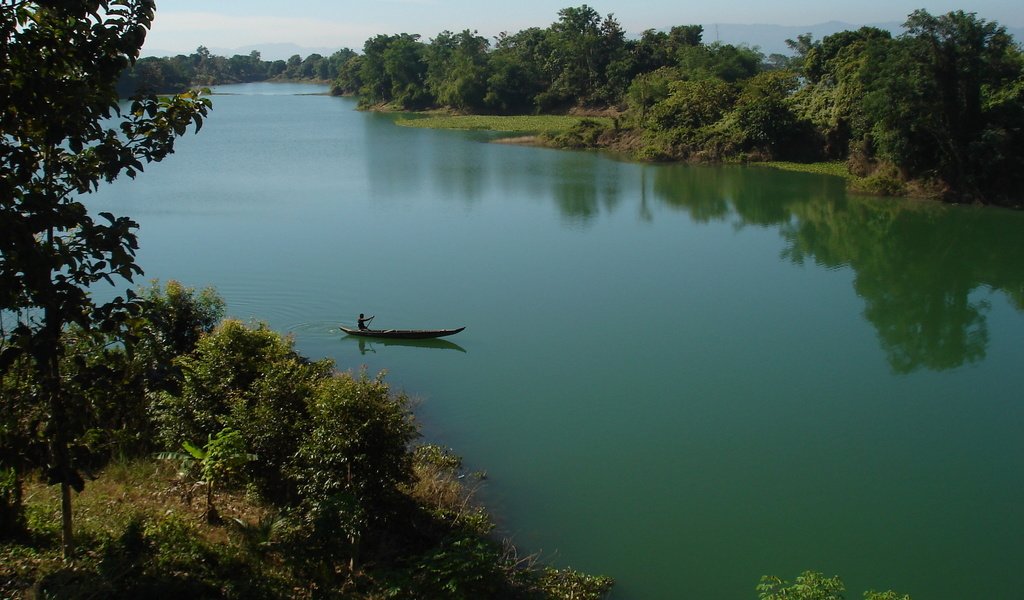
point(520, 124)
point(582, 132)
point(885, 181)
point(142, 532)
point(836, 168)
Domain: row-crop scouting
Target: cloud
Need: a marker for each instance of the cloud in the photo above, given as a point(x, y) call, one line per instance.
point(185, 31)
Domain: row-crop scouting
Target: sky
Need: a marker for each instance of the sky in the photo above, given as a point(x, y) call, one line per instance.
point(181, 26)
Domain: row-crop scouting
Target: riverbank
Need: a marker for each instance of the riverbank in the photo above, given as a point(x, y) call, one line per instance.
point(577, 132)
point(142, 530)
point(528, 125)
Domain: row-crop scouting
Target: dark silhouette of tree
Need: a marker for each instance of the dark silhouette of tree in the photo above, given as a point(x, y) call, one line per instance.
point(62, 132)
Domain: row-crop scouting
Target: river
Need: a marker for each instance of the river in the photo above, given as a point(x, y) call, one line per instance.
point(682, 377)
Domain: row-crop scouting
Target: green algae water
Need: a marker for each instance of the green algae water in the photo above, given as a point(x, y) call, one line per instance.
point(682, 377)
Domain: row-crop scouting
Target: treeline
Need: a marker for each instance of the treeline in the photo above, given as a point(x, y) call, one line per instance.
point(201, 68)
point(936, 111)
point(580, 60)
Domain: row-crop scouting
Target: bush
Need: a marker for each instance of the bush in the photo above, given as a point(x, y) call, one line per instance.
point(587, 133)
point(571, 584)
point(358, 441)
point(811, 585)
point(884, 181)
point(174, 318)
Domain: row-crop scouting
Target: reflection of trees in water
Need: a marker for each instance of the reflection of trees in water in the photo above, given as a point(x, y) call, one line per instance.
point(916, 264)
point(916, 267)
point(582, 191)
point(757, 196)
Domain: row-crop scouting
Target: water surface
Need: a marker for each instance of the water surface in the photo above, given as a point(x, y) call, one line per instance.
point(682, 377)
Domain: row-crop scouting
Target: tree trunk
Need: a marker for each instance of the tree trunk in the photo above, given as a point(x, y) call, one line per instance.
point(48, 362)
point(67, 545)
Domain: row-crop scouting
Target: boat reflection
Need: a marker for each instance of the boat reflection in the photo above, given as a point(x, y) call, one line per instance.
point(370, 344)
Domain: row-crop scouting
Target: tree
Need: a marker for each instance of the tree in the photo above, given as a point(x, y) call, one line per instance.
point(724, 61)
point(407, 71)
point(174, 318)
point(946, 104)
point(582, 45)
point(352, 458)
point(817, 58)
point(647, 89)
point(349, 80)
point(457, 69)
point(216, 463)
point(517, 70)
point(832, 99)
point(393, 69)
point(691, 105)
point(763, 112)
point(63, 132)
point(801, 47)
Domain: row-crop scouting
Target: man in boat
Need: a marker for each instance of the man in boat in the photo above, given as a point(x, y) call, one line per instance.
point(363, 321)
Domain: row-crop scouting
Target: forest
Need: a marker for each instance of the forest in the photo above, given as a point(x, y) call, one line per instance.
point(934, 112)
point(201, 68)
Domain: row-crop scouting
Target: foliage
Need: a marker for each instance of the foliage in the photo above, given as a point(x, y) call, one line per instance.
point(569, 583)
point(464, 568)
point(63, 133)
point(764, 115)
point(358, 442)
point(937, 109)
point(12, 512)
point(811, 585)
point(940, 105)
point(457, 69)
point(835, 168)
point(517, 124)
point(648, 89)
point(249, 379)
point(692, 105)
point(518, 73)
point(172, 321)
point(217, 463)
point(587, 133)
point(719, 61)
point(176, 74)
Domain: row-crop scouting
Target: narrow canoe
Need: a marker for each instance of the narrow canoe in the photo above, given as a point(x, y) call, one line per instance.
point(405, 334)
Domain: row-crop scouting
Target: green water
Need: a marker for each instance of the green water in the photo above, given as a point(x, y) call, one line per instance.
point(682, 377)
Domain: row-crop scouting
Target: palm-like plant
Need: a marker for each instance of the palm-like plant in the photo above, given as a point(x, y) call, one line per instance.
point(216, 463)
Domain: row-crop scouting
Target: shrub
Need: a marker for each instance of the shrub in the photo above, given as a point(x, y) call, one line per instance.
point(571, 584)
point(358, 442)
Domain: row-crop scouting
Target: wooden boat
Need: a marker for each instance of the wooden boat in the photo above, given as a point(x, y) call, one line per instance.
point(404, 334)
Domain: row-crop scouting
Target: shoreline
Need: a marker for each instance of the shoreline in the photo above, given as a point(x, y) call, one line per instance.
point(542, 131)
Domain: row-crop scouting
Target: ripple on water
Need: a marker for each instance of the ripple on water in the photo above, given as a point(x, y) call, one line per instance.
point(289, 304)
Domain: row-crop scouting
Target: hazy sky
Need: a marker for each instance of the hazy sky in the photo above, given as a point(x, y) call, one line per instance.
point(183, 25)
